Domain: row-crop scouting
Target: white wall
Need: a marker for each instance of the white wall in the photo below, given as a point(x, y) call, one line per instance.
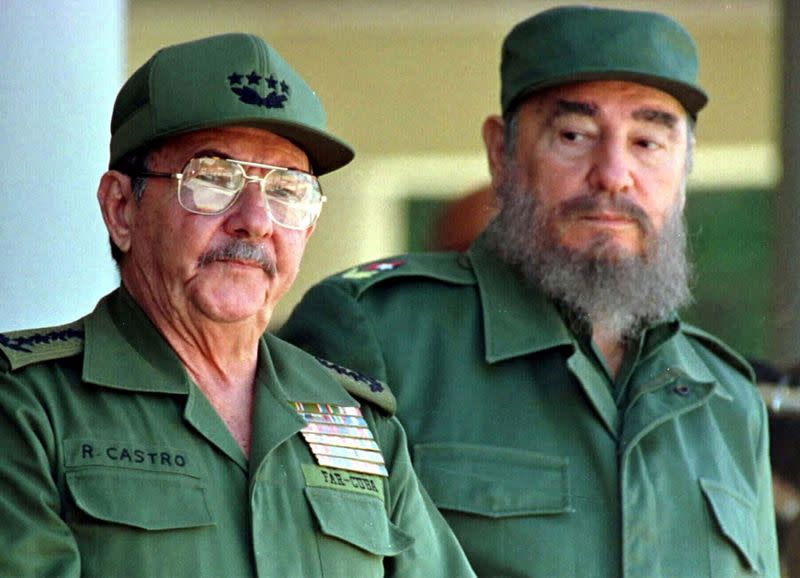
point(62, 63)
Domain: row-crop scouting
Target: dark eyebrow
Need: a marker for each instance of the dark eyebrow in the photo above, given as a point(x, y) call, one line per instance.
point(661, 117)
point(565, 107)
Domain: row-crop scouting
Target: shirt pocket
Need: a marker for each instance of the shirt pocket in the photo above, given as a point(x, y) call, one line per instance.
point(144, 523)
point(140, 499)
point(492, 481)
point(735, 520)
point(355, 533)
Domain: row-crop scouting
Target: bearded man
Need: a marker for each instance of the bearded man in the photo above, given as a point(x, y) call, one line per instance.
point(562, 417)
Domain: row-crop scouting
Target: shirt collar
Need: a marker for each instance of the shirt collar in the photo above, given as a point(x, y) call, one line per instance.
point(286, 374)
point(291, 374)
point(124, 349)
point(517, 318)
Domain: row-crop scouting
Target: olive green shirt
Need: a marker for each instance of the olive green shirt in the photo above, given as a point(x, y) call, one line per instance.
point(541, 463)
point(113, 463)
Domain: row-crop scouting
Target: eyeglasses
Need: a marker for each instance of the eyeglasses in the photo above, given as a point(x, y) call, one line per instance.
point(211, 186)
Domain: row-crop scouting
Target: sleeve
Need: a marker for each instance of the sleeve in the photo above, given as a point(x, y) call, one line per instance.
point(435, 552)
point(332, 324)
point(34, 539)
point(767, 529)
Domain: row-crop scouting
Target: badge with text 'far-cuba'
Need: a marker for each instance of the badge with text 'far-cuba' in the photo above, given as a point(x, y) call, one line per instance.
point(339, 437)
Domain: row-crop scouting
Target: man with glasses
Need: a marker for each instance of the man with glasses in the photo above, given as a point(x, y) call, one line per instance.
point(562, 417)
point(164, 434)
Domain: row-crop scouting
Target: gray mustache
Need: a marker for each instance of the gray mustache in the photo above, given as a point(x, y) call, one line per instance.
point(597, 202)
point(240, 251)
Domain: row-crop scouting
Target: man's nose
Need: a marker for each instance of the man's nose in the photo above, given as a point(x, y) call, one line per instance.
point(611, 167)
point(250, 216)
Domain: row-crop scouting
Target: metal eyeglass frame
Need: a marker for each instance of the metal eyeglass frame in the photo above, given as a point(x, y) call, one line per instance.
point(262, 182)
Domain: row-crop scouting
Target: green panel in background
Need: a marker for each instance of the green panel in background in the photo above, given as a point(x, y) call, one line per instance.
point(731, 244)
point(732, 247)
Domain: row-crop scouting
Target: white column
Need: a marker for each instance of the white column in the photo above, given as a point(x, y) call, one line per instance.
point(62, 63)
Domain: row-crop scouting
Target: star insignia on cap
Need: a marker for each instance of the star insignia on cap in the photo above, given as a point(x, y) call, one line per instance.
point(249, 94)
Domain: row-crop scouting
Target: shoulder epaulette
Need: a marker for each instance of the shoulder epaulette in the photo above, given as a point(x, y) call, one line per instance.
point(448, 267)
point(722, 350)
point(21, 348)
point(362, 386)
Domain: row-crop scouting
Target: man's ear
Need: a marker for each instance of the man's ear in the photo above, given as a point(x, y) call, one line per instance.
point(115, 195)
point(494, 139)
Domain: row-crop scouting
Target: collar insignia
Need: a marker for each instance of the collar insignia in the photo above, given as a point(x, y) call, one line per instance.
point(372, 269)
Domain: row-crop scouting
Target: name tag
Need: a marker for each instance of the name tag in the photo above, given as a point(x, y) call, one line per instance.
point(131, 454)
point(334, 479)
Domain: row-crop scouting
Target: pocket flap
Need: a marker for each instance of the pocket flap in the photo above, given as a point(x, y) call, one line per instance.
point(735, 515)
point(491, 481)
point(357, 519)
point(147, 500)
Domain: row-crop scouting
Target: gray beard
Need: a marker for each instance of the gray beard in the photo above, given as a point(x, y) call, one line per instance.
point(619, 295)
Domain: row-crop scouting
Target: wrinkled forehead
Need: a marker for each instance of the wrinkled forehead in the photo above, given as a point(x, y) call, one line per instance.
point(611, 99)
point(236, 142)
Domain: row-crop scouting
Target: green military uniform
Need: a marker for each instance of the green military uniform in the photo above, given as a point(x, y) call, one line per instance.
point(115, 464)
point(541, 462)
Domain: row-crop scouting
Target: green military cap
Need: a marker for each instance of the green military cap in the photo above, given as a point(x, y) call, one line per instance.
point(230, 79)
point(581, 43)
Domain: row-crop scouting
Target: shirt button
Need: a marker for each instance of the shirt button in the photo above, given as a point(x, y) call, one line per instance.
point(682, 389)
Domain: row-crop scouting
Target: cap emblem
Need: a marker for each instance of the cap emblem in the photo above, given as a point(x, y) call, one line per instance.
point(248, 92)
